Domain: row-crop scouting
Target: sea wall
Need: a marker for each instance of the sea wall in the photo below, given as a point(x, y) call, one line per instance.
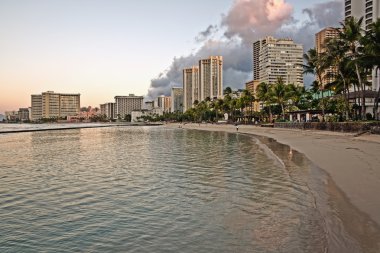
point(349, 127)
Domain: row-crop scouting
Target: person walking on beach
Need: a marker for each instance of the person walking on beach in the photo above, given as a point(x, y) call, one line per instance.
point(237, 127)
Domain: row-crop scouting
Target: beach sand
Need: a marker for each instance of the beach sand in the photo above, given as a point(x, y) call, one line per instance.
point(352, 162)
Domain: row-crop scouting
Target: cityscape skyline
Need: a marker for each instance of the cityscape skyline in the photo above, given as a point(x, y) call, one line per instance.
point(36, 60)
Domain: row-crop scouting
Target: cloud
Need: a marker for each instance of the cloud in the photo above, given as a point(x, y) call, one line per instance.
point(237, 66)
point(319, 16)
point(253, 19)
point(246, 22)
point(326, 14)
point(204, 35)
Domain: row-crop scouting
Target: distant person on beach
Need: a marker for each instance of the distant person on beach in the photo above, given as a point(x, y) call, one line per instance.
point(237, 127)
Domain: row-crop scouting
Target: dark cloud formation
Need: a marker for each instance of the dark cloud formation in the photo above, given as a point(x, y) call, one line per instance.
point(204, 35)
point(245, 22)
point(237, 66)
point(319, 16)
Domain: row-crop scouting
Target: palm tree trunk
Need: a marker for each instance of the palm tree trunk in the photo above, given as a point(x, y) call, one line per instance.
point(362, 91)
point(270, 114)
point(283, 111)
point(346, 94)
point(376, 102)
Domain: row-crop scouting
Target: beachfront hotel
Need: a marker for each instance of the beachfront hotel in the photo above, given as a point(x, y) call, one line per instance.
point(321, 39)
point(274, 58)
point(203, 81)
point(177, 99)
point(124, 105)
point(211, 77)
point(370, 11)
point(191, 89)
point(54, 105)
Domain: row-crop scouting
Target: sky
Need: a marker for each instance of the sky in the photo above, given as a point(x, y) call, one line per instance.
point(104, 48)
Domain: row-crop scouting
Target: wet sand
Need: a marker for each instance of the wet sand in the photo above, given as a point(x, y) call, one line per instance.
point(352, 162)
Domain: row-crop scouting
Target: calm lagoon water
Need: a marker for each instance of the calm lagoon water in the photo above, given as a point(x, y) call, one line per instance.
point(153, 189)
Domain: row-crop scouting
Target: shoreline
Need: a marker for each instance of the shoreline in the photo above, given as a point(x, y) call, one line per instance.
point(351, 161)
point(70, 126)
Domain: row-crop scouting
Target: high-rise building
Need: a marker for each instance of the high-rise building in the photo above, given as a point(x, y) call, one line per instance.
point(211, 77)
point(191, 88)
point(36, 107)
point(321, 38)
point(167, 104)
point(368, 9)
point(177, 99)
point(124, 105)
point(108, 109)
point(54, 105)
point(251, 86)
point(274, 58)
point(159, 102)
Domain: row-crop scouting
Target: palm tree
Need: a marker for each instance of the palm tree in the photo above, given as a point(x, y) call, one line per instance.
point(280, 94)
point(336, 56)
point(351, 34)
point(227, 90)
point(248, 99)
point(295, 93)
point(316, 65)
point(371, 42)
point(264, 94)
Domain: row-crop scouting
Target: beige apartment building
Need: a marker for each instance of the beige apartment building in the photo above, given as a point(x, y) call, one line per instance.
point(273, 58)
point(108, 109)
point(124, 105)
point(54, 105)
point(191, 88)
point(204, 81)
point(167, 104)
point(251, 86)
point(211, 77)
point(321, 38)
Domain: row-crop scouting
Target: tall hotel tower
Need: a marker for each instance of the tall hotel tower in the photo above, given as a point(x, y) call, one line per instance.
point(211, 77)
point(273, 58)
point(205, 81)
point(370, 11)
point(321, 39)
point(191, 89)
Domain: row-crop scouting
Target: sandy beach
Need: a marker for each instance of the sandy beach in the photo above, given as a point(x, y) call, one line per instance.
point(352, 162)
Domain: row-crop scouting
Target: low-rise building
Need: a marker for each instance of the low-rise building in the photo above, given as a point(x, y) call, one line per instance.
point(108, 109)
point(23, 114)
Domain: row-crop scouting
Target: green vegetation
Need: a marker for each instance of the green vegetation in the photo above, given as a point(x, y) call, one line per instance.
point(353, 54)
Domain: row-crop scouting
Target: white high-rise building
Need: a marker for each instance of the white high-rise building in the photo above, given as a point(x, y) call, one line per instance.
point(273, 58)
point(211, 77)
point(191, 89)
point(124, 105)
point(370, 11)
point(177, 99)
